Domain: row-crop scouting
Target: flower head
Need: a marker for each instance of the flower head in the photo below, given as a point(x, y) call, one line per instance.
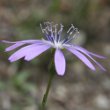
point(53, 39)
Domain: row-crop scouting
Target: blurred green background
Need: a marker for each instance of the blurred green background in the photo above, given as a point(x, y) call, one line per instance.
point(22, 84)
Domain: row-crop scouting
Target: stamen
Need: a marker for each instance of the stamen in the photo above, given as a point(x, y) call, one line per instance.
point(72, 27)
point(55, 31)
point(71, 38)
point(73, 32)
point(48, 26)
point(53, 34)
point(61, 29)
point(50, 29)
point(41, 28)
point(59, 33)
point(46, 32)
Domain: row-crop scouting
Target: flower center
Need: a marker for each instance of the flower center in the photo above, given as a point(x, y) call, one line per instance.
point(54, 44)
point(52, 34)
point(58, 45)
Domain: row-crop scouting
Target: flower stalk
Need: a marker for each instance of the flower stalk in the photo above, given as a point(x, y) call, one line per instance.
point(52, 73)
point(43, 104)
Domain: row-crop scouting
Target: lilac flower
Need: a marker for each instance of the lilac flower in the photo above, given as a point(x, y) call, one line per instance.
point(53, 39)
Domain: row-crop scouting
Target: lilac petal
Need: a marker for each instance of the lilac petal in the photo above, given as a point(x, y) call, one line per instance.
point(23, 41)
point(60, 63)
point(87, 53)
point(36, 51)
point(96, 55)
point(93, 54)
point(8, 42)
point(14, 46)
point(31, 41)
point(82, 58)
point(20, 43)
point(23, 52)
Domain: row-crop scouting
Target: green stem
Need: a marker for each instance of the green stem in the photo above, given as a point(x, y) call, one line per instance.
point(47, 92)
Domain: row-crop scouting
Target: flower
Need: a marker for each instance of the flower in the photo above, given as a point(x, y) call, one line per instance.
point(53, 39)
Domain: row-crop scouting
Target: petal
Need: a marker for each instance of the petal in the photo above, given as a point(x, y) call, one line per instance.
point(23, 41)
point(82, 58)
point(31, 41)
point(93, 54)
point(96, 55)
point(8, 42)
point(20, 43)
point(60, 63)
point(36, 51)
point(14, 46)
point(87, 53)
point(23, 52)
